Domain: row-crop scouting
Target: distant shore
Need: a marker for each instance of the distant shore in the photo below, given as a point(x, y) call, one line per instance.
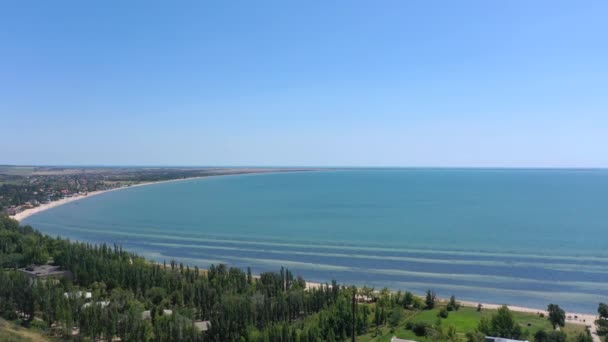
point(228, 172)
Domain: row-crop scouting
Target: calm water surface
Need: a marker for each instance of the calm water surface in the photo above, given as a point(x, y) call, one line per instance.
point(524, 237)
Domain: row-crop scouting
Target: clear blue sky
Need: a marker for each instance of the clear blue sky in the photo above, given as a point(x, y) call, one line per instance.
point(386, 83)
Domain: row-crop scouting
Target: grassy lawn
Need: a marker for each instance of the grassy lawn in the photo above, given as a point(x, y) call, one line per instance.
point(464, 320)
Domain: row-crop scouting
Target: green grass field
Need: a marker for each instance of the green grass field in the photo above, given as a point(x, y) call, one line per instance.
point(464, 320)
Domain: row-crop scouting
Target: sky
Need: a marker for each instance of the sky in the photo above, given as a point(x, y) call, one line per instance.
point(304, 83)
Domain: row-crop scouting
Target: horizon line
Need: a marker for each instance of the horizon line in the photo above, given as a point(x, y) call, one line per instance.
point(310, 166)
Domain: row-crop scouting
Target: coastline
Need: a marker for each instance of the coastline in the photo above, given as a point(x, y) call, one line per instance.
point(581, 319)
point(229, 172)
point(32, 211)
point(571, 317)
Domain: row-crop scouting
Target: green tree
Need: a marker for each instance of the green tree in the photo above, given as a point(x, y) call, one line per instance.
point(602, 310)
point(501, 324)
point(396, 316)
point(408, 300)
point(557, 316)
point(430, 299)
point(552, 336)
point(453, 305)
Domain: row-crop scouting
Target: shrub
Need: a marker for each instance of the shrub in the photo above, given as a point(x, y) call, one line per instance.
point(420, 328)
point(443, 313)
point(38, 325)
point(453, 305)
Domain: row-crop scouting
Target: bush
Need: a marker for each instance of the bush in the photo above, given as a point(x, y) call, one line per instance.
point(421, 328)
point(453, 305)
point(443, 313)
point(476, 337)
point(38, 325)
point(395, 317)
point(9, 314)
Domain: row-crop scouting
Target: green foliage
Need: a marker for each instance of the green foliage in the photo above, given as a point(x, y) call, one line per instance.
point(453, 305)
point(443, 313)
point(501, 324)
point(408, 300)
point(602, 327)
point(396, 316)
point(552, 336)
point(451, 334)
point(125, 285)
point(476, 336)
point(602, 310)
point(430, 299)
point(557, 316)
point(420, 328)
point(583, 337)
point(274, 307)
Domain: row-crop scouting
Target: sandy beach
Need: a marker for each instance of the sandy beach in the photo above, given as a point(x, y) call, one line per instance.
point(29, 212)
point(225, 172)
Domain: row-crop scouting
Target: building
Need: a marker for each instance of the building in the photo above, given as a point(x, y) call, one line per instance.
point(45, 271)
point(78, 294)
point(501, 339)
point(148, 315)
point(102, 304)
point(202, 326)
point(395, 339)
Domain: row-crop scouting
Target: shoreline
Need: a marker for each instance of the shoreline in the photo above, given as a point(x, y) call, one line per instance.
point(585, 319)
point(230, 172)
point(571, 317)
point(588, 320)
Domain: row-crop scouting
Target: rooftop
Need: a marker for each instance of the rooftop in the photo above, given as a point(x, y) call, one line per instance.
point(501, 339)
point(202, 325)
point(44, 271)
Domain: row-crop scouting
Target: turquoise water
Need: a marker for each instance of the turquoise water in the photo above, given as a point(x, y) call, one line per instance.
point(524, 237)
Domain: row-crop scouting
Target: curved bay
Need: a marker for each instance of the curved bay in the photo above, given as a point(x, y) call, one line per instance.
point(526, 237)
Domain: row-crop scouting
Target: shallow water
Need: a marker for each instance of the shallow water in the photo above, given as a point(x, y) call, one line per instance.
point(523, 237)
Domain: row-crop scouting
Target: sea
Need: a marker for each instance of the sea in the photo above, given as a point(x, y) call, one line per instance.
point(526, 237)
